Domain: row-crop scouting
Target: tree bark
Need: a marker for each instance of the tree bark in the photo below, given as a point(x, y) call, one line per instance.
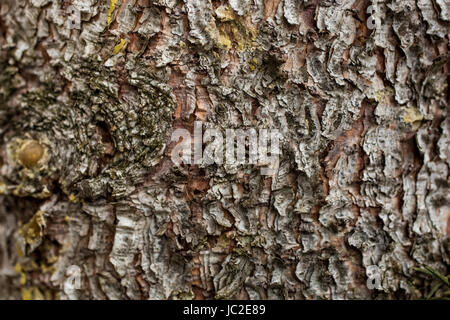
point(93, 207)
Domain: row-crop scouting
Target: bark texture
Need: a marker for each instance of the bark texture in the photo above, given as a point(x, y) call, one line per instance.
point(87, 182)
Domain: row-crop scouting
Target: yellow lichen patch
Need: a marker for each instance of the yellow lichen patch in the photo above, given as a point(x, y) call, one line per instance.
point(233, 32)
point(224, 13)
point(45, 268)
point(2, 188)
point(37, 294)
point(412, 115)
point(27, 294)
point(244, 36)
point(67, 218)
point(30, 153)
point(112, 7)
point(32, 231)
point(381, 95)
point(253, 63)
point(32, 294)
point(19, 250)
point(119, 46)
point(23, 275)
point(223, 38)
point(72, 198)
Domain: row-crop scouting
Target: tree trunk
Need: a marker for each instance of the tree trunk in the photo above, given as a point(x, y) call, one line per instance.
point(92, 205)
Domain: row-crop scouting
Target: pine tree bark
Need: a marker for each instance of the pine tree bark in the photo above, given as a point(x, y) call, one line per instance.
point(89, 191)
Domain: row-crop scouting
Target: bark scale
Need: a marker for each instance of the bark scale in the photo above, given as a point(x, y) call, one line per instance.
point(89, 191)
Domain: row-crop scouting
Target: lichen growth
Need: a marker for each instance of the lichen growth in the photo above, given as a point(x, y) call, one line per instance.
point(112, 7)
point(119, 46)
point(32, 231)
point(412, 115)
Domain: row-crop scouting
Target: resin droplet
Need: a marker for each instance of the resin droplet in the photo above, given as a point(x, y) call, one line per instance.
point(30, 153)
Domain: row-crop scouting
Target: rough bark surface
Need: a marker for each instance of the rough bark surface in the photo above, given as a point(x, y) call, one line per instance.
point(87, 180)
